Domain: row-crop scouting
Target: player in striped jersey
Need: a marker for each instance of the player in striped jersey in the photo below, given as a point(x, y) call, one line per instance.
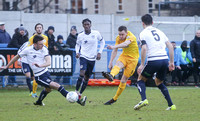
point(39, 59)
point(86, 50)
point(153, 45)
point(38, 31)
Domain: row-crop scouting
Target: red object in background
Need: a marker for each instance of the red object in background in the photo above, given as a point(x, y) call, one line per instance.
point(105, 82)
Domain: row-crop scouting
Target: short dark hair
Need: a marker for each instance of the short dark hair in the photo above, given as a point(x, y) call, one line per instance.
point(38, 24)
point(173, 42)
point(84, 20)
point(147, 19)
point(121, 28)
point(37, 38)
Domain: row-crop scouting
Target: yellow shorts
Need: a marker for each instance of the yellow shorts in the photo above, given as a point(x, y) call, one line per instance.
point(129, 64)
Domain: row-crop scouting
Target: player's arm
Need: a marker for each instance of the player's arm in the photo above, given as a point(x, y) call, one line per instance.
point(171, 55)
point(102, 44)
point(113, 55)
point(122, 45)
point(143, 56)
point(11, 62)
point(47, 63)
point(77, 47)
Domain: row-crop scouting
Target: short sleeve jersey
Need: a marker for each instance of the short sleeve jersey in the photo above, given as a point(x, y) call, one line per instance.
point(23, 59)
point(35, 56)
point(89, 43)
point(45, 40)
point(156, 43)
point(132, 50)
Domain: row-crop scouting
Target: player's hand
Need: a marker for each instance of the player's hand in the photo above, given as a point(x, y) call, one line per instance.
point(194, 60)
point(3, 67)
point(98, 56)
point(171, 66)
point(139, 70)
point(36, 64)
point(110, 66)
point(110, 47)
point(178, 67)
point(77, 55)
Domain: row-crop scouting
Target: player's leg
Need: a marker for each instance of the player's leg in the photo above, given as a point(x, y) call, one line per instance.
point(115, 70)
point(83, 66)
point(26, 71)
point(34, 88)
point(159, 83)
point(88, 73)
point(146, 73)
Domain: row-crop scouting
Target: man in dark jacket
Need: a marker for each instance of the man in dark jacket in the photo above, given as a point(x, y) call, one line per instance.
point(51, 39)
point(19, 38)
point(71, 39)
point(195, 51)
point(4, 36)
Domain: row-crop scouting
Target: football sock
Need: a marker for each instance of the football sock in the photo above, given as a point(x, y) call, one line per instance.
point(28, 81)
point(115, 70)
point(84, 85)
point(43, 94)
point(120, 89)
point(62, 90)
point(165, 92)
point(78, 83)
point(142, 89)
point(34, 86)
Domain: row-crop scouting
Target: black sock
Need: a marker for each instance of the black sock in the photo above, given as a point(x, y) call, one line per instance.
point(84, 85)
point(165, 92)
point(142, 89)
point(62, 90)
point(78, 83)
point(43, 94)
point(28, 81)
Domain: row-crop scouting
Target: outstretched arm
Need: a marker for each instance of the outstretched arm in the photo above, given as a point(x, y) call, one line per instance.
point(122, 45)
point(11, 62)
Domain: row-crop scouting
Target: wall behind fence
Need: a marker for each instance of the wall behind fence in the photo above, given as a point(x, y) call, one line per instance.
point(106, 24)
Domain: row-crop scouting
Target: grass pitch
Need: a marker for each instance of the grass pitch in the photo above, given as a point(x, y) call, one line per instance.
point(16, 105)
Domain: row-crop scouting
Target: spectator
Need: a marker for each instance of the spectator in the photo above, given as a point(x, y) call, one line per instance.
point(185, 62)
point(60, 46)
point(51, 39)
point(4, 36)
point(195, 52)
point(176, 71)
point(19, 38)
point(71, 39)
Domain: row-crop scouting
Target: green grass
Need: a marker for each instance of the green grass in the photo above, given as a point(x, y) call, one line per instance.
point(16, 105)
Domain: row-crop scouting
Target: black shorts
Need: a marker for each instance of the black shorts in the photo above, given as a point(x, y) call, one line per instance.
point(87, 65)
point(26, 68)
point(158, 66)
point(44, 79)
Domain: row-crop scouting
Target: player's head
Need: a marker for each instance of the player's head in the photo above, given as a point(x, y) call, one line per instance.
point(122, 30)
point(38, 42)
point(198, 33)
point(173, 44)
point(38, 28)
point(87, 24)
point(147, 20)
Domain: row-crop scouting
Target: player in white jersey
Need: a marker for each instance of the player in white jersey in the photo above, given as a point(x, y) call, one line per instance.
point(39, 59)
point(86, 50)
point(26, 69)
point(153, 44)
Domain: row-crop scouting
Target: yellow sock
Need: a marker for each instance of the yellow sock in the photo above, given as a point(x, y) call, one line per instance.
point(120, 89)
point(34, 86)
point(115, 70)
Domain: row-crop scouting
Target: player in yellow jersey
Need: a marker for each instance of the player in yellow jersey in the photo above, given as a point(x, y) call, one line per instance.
point(38, 31)
point(127, 60)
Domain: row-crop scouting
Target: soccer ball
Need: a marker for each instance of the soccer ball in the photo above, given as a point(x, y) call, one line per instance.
point(72, 97)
